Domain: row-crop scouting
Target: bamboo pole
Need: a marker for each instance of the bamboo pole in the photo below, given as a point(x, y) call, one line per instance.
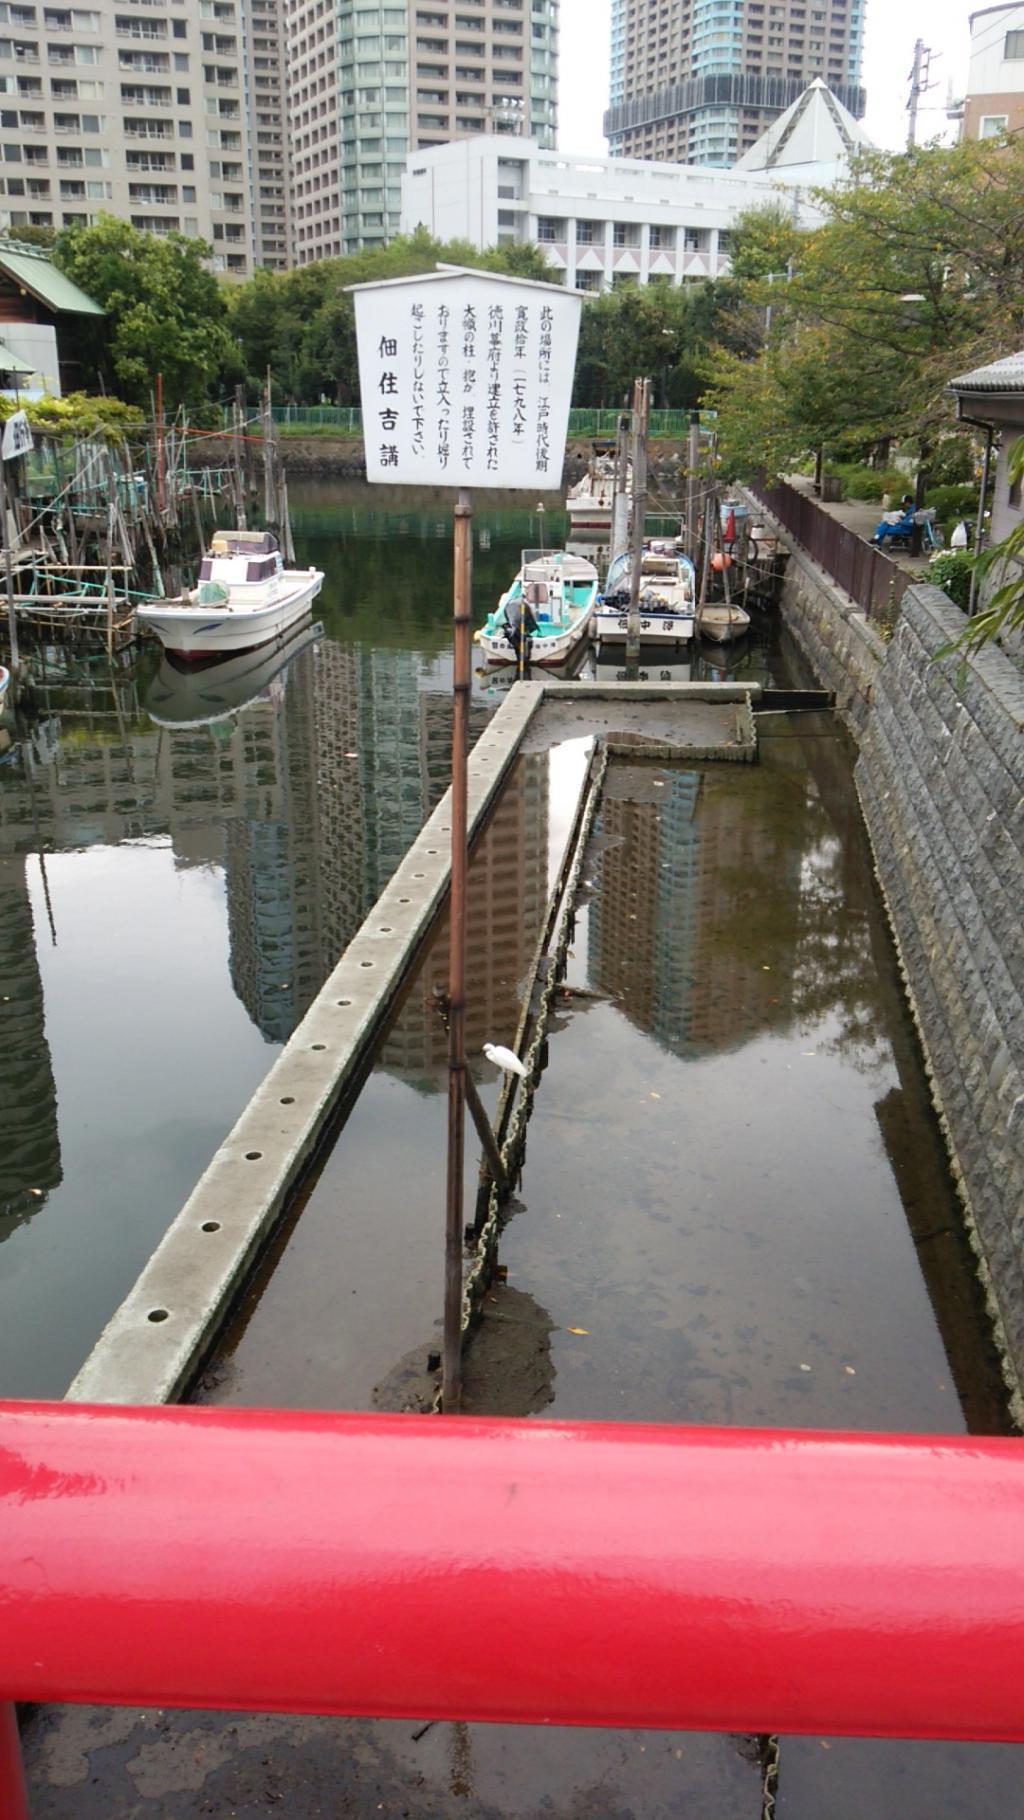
point(452, 1357)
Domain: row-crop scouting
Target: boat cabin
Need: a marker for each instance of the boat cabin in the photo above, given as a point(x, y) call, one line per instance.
point(242, 557)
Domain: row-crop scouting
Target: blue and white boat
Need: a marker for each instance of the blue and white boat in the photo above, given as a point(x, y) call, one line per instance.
point(668, 599)
point(550, 606)
point(5, 678)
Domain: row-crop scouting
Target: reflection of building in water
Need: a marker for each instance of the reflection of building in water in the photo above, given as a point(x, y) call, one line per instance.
point(309, 796)
point(29, 1142)
point(294, 872)
point(667, 933)
point(506, 899)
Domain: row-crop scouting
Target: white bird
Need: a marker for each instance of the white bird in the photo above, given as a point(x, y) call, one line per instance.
point(505, 1058)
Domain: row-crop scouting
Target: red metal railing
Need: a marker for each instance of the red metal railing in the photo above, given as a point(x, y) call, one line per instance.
point(873, 581)
point(716, 1579)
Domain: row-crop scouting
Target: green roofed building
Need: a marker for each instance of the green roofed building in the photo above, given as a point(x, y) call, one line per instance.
point(41, 316)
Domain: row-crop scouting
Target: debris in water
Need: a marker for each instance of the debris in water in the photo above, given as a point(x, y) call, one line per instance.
point(655, 1096)
point(804, 1367)
point(850, 1371)
point(584, 1330)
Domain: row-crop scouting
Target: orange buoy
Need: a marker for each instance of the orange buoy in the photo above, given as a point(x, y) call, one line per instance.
point(720, 562)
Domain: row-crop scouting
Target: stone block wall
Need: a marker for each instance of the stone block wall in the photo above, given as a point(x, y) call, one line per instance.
point(941, 784)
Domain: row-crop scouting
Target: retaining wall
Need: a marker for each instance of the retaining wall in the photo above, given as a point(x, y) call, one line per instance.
point(941, 784)
point(835, 637)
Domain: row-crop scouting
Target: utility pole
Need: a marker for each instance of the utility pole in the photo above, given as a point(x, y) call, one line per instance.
point(918, 84)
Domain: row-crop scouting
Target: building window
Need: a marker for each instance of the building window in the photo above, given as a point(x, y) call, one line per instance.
point(624, 233)
point(1013, 46)
point(992, 125)
point(589, 233)
point(550, 227)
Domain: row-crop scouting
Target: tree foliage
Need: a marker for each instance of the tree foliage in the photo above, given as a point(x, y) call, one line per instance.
point(165, 310)
point(301, 324)
point(916, 273)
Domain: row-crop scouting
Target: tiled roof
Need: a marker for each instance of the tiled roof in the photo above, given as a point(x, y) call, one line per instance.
point(34, 271)
point(1006, 375)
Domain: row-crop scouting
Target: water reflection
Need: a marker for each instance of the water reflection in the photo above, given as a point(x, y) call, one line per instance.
point(257, 809)
point(30, 1162)
point(505, 901)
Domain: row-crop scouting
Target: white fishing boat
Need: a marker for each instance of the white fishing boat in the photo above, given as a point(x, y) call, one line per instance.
point(589, 502)
point(244, 598)
point(5, 678)
point(667, 598)
point(550, 606)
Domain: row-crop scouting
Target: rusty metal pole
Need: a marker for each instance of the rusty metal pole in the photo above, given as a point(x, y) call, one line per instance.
point(13, 1798)
point(461, 624)
point(161, 478)
point(641, 409)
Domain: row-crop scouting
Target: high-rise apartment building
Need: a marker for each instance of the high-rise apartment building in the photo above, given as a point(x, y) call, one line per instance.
point(166, 113)
point(697, 81)
point(275, 129)
point(368, 83)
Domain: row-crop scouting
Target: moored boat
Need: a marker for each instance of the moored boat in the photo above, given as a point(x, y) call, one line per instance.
point(723, 621)
point(5, 678)
point(590, 501)
point(550, 605)
point(245, 597)
point(667, 598)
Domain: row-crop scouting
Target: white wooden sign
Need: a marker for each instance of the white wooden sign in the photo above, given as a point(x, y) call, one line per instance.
point(17, 437)
point(466, 379)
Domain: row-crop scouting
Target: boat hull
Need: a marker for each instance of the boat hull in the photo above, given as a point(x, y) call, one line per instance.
point(723, 625)
point(193, 632)
point(611, 627)
point(556, 648)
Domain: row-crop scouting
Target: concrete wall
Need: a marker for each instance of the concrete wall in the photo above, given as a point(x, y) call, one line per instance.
point(941, 782)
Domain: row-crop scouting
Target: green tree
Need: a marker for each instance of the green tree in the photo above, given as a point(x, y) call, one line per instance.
point(165, 310)
point(916, 273)
point(302, 323)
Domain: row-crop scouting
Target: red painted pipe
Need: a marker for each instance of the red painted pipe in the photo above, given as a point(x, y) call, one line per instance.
point(716, 1579)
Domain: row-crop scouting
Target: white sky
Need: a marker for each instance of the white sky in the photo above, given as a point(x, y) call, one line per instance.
point(892, 26)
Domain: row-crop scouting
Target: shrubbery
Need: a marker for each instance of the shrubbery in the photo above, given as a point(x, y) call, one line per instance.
point(951, 571)
point(79, 413)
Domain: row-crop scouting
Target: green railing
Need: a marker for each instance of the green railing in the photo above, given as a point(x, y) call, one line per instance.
point(347, 420)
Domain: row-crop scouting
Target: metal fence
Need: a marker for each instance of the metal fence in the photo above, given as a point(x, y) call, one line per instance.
point(873, 581)
point(347, 420)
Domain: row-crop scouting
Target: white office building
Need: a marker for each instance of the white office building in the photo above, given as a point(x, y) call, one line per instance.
point(606, 222)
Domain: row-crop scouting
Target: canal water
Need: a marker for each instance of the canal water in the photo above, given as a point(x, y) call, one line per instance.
point(734, 1206)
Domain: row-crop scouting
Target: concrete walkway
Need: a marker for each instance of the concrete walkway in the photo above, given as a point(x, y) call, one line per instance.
point(861, 516)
